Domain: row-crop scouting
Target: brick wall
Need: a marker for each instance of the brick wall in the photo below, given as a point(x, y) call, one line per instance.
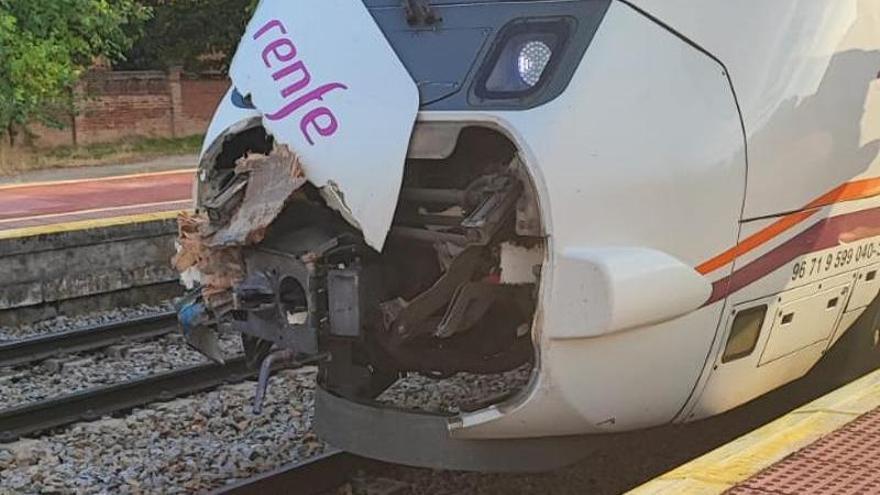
point(199, 98)
point(118, 105)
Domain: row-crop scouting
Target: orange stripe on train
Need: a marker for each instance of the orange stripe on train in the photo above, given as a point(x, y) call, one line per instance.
point(849, 191)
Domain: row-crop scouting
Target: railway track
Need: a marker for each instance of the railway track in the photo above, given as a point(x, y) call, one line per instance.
point(34, 349)
point(94, 403)
point(97, 402)
point(315, 476)
point(318, 475)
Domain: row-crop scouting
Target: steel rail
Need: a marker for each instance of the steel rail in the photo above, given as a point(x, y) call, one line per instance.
point(95, 403)
point(315, 476)
point(95, 337)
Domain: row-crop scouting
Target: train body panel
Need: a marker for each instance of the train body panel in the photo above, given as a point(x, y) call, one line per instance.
point(330, 108)
point(812, 282)
point(625, 151)
point(805, 74)
point(683, 215)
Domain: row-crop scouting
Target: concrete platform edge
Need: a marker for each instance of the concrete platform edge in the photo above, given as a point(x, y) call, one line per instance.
point(94, 264)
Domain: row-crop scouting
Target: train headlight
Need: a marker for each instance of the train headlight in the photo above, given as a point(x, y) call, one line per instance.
point(533, 59)
point(522, 59)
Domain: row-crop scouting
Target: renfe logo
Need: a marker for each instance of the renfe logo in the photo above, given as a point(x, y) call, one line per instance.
point(297, 79)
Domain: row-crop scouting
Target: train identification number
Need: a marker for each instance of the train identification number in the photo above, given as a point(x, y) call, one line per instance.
point(843, 257)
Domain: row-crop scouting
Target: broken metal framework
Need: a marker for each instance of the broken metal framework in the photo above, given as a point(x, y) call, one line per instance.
point(453, 289)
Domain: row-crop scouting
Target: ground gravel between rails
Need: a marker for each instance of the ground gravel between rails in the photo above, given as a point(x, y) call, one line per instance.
point(67, 323)
point(459, 392)
point(63, 375)
point(184, 446)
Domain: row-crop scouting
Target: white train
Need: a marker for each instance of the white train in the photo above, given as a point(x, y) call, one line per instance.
point(663, 208)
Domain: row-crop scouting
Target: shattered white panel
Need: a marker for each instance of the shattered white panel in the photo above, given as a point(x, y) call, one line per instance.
point(518, 263)
point(329, 86)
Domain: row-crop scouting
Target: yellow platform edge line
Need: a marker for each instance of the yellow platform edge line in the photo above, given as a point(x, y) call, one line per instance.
point(736, 461)
point(96, 223)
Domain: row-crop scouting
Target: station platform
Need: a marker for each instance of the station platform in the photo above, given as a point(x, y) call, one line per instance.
point(89, 239)
point(49, 207)
point(830, 445)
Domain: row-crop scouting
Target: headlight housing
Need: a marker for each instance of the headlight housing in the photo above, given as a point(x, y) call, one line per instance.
point(523, 58)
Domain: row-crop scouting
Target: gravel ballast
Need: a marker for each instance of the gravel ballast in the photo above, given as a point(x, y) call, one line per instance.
point(183, 446)
point(457, 393)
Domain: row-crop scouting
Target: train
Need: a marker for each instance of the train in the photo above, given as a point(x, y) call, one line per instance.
point(660, 210)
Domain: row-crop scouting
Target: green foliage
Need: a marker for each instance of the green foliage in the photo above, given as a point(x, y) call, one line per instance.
point(197, 34)
point(46, 45)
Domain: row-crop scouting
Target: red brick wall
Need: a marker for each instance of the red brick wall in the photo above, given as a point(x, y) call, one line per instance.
point(199, 99)
point(118, 105)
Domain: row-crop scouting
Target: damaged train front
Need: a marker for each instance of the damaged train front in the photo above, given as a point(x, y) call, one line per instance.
point(321, 237)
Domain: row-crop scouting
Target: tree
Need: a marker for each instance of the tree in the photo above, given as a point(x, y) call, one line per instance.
point(46, 45)
point(197, 34)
